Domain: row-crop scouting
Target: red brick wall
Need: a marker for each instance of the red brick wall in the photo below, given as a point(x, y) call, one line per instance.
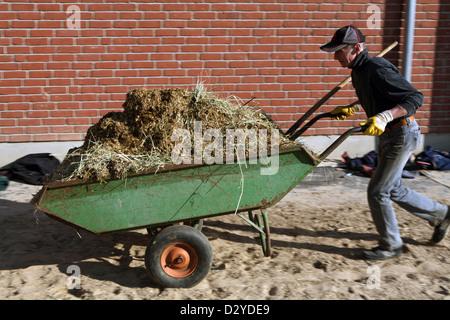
point(55, 82)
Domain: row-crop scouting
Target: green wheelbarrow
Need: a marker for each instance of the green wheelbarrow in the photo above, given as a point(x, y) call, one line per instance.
point(172, 203)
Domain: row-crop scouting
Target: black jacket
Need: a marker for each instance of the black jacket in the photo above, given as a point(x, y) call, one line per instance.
point(380, 86)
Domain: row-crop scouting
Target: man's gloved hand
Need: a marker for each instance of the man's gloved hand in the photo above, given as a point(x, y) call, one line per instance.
point(377, 124)
point(342, 112)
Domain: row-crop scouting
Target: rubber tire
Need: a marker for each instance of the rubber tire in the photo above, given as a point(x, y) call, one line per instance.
point(165, 238)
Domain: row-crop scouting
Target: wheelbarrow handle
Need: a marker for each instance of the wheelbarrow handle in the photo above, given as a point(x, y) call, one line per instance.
point(341, 139)
point(309, 124)
point(320, 116)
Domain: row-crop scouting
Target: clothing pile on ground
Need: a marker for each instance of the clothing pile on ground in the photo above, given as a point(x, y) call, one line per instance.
point(432, 159)
point(429, 159)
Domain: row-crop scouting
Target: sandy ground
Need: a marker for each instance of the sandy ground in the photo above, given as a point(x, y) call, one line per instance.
point(318, 232)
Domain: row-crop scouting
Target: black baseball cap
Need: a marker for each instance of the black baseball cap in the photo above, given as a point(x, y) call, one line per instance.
point(342, 37)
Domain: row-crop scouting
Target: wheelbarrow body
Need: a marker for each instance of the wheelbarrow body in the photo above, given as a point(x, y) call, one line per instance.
point(174, 194)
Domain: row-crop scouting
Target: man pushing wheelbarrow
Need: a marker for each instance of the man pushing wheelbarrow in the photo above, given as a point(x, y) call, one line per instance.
point(390, 103)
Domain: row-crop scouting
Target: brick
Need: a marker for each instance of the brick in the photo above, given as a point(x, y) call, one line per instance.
point(71, 136)
point(23, 24)
point(29, 15)
point(288, 79)
point(7, 15)
point(81, 129)
point(281, 117)
point(37, 130)
point(49, 24)
point(7, 122)
point(199, 24)
point(45, 137)
point(18, 106)
point(14, 74)
point(61, 129)
point(62, 74)
point(20, 138)
point(181, 81)
point(13, 130)
point(18, 50)
point(115, 89)
point(123, 49)
point(40, 74)
point(106, 65)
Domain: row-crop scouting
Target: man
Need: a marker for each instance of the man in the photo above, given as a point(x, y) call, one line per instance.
point(390, 103)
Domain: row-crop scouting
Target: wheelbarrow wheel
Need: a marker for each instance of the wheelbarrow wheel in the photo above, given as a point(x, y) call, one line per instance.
point(179, 256)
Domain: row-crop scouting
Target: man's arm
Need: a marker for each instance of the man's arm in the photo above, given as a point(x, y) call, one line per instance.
point(398, 111)
point(394, 88)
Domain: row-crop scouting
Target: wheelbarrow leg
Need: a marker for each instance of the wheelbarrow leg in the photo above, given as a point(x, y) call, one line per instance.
point(263, 226)
point(265, 239)
point(250, 216)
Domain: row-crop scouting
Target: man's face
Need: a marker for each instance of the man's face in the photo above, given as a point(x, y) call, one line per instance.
point(347, 55)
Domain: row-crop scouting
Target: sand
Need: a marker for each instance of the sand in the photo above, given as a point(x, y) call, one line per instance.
point(318, 232)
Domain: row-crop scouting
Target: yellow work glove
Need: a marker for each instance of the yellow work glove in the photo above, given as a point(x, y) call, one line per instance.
point(342, 112)
point(377, 124)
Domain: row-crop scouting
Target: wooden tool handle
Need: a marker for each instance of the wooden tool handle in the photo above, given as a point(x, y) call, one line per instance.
point(331, 93)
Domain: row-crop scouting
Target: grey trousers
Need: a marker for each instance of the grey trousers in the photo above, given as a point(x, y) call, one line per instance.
point(394, 149)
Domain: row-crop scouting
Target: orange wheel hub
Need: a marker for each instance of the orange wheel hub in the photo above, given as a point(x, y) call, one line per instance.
point(179, 260)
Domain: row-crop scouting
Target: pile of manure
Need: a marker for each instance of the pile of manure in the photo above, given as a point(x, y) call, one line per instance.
point(140, 138)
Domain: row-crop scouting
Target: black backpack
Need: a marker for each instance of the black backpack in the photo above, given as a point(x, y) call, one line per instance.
point(30, 169)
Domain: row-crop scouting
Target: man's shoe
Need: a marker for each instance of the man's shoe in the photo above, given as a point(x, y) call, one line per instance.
point(441, 229)
point(379, 254)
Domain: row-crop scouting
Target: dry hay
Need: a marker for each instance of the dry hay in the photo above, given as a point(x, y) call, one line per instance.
point(139, 138)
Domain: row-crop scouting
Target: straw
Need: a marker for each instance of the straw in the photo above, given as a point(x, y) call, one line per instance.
point(139, 138)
